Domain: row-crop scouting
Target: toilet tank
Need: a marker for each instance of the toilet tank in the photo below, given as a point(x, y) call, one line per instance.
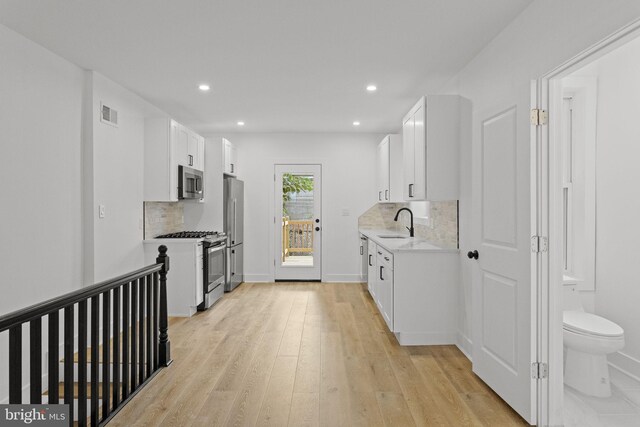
point(571, 297)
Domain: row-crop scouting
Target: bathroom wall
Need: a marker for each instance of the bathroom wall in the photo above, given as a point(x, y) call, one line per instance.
point(162, 218)
point(434, 221)
point(618, 205)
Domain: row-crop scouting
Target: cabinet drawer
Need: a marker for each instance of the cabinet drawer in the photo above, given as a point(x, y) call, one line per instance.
point(384, 257)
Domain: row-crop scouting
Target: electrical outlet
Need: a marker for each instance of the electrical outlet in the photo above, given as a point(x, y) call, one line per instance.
point(101, 211)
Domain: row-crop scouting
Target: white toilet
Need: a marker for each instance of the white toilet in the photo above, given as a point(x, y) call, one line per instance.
point(588, 339)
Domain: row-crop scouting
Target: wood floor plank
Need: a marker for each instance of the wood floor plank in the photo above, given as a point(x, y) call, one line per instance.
point(305, 410)
point(276, 404)
point(308, 354)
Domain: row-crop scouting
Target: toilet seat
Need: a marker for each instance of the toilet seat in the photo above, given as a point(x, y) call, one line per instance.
point(583, 323)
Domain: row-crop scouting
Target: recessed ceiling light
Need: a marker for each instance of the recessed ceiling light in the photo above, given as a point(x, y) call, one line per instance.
point(204, 87)
point(356, 123)
point(372, 88)
point(241, 123)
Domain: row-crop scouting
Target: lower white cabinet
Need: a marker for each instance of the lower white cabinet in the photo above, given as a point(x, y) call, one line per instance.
point(186, 275)
point(416, 293)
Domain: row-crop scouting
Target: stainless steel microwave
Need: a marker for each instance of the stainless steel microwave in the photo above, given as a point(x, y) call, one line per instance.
point(190, 183)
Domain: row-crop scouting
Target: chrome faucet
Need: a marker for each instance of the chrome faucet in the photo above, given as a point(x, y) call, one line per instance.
point(410, 213)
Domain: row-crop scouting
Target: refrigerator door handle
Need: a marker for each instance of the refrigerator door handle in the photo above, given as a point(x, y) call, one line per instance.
point(235, 220)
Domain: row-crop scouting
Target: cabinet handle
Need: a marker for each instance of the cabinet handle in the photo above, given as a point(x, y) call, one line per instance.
point(410, 190)
point(232, 168)
point(386, 258)
point(379, 196)
point(370, 264)
point(190, 160)
point(386, 194)
point(381, 267)
point(361, 250)
point(379, 253)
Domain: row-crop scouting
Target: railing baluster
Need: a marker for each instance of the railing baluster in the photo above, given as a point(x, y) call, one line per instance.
point(149, 337)
point(156, 298)
point(141, 331)
point(54, 363)
point(82, 363)
point(125, 341)
point(68, 359)
point(116, 348)
point(95, 358)
point(106, 353)
point(165, 345)
point(134, 336)
point(15, 364)
point(35, 350)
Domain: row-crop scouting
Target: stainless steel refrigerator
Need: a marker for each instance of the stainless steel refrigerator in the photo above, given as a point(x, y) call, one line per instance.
point(234, 227)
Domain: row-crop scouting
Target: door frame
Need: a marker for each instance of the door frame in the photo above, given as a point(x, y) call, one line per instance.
point(276, 231)
point(546, 94)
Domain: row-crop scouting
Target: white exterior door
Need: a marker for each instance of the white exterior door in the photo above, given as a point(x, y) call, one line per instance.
point(503, 326)
point(298, 222)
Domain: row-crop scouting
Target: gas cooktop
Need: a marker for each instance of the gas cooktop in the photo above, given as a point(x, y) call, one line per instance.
point(189, 235)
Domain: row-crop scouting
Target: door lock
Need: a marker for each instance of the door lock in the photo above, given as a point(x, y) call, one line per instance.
point(472, 254)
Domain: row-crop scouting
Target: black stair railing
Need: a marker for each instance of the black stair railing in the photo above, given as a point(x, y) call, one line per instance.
point(122, 342)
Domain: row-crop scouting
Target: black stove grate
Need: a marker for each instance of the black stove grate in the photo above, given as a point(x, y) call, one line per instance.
point(187, 235)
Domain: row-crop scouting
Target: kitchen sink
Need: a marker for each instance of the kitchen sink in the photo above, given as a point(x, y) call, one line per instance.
point(393, 236)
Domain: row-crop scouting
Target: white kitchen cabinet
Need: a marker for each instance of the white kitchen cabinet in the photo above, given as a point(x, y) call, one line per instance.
point(415, 291)
point(186, 275)
point(230, 156)
point(384, 288)
point(431, 134)
point(389, 170)
point(168, 144)
point(372, 269)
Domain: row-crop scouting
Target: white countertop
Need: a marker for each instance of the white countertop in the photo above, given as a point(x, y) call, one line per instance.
point(409, 244)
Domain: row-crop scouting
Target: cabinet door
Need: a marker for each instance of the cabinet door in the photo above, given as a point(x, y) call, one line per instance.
point(380, 173)
point(200, 154)
point(372, 273)
point(192, 150)
point(226, 149)
point(181, 145)
point(386, 290)
point(420, 154)
point(199, 294)
point(234, 160)
point(384, 171)
point(408, 148)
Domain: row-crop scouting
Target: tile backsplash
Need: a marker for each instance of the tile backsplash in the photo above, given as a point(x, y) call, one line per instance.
point(162, 218)
point(434, 221)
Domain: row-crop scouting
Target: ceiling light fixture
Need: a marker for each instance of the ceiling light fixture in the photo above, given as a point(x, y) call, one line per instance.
point(204, 87)
point(241, 123)
point(356, 123)
point(372, 88)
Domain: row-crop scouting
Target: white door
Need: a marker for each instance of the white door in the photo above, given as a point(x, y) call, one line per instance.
point(298, 222)
point(503, 327)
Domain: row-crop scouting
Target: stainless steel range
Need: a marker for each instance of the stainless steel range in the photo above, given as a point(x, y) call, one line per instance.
point(214, 262)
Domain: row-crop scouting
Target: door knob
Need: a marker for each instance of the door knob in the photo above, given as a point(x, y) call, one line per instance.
point(472, 254)
point(317, 220)
point(317, 228)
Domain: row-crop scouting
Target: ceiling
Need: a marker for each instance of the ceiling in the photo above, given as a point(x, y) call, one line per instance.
point(278, 65)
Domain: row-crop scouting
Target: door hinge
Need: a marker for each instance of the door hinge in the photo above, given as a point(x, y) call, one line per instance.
point(539, 370)
point(539, 117)
point(539, 244)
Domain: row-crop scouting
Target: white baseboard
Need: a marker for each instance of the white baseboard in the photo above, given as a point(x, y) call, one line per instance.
point(464, 344)
point(625, 363)
point(342, 278)
point(425, 338)
point(258, 278)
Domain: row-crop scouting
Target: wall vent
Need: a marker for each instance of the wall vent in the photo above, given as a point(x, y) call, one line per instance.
point(108, 115)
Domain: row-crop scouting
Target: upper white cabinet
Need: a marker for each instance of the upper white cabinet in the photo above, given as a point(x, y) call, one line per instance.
point(168, 144)
point(389, 170)
point(431, 141)
point(230, 157)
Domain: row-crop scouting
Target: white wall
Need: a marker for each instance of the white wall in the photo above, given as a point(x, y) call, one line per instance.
point(348, 182)
point(208, 216)
point(505, 69)
point(618, 205)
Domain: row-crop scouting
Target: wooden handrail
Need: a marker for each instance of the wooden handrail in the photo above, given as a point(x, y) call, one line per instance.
point(297, 236)
point(118, 308)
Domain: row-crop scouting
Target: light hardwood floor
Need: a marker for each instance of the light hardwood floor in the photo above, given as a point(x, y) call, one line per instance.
point(308, 354)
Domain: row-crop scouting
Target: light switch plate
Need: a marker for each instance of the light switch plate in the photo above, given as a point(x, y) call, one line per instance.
point(101, 211)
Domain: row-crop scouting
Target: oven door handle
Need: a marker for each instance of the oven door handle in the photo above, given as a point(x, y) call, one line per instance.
point(212, 249)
